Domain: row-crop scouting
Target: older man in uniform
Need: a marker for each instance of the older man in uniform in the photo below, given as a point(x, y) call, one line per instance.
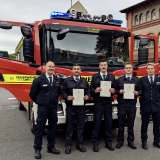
point(149, 87)
point(45, 91)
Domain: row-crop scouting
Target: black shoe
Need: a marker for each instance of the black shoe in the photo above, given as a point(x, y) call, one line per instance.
point(37, 154)
point(67, 149)
point(119, 145)
point(53, 151)
point(132, 145)
point(144, 145)
point(81, 148)
point(109, 146)
point(156, 145)
point(95, 148)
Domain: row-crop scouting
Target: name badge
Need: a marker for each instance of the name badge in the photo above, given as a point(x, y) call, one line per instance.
point(45, 85)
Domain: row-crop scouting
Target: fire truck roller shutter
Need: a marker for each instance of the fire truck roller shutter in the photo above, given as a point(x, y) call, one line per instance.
point(28, 45)
point(28, 49)
point(143, 55)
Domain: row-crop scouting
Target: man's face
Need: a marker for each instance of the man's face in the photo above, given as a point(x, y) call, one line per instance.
point(76, 70)
point(50, 68)
point(128, 69)
point(103, 67)
point(150, 70)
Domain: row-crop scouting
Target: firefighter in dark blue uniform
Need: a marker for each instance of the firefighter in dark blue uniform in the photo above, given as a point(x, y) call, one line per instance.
point(75, 115)
point(103, 106)
point(44, 92)
point(126, 107)
point(150, 105)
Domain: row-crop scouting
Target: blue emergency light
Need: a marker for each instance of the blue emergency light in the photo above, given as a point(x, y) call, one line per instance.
point(115, 21)
point(56, 14)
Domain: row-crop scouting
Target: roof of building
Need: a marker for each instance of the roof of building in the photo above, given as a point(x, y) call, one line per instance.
point(126, 10)
point(78, 5)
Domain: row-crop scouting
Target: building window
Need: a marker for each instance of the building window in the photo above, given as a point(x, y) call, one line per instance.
point(141, 18)
point(148, 16)
point(153, 14)
point(136, 20)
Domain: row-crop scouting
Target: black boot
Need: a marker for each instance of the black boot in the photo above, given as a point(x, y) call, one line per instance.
point(144, 145)
point(68, 149)
point(119, 145)
point(95, 148)
point(132, 145)
point(53, 150)
point(109, 146)
point(37, 154)
point(81, 148)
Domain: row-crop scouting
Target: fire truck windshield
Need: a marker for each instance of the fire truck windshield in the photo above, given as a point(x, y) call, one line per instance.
point(86, 48)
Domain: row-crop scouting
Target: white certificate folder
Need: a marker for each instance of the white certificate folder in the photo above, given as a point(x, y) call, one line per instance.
point(129, 91)
point(105, 88)
point(78, 95)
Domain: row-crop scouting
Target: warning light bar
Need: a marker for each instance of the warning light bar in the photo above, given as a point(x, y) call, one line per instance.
point(104, 19)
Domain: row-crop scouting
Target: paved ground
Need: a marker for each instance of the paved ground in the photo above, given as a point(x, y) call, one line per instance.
point(16, 139)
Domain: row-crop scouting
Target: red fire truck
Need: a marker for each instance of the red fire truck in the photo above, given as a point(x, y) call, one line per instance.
point(68, 39)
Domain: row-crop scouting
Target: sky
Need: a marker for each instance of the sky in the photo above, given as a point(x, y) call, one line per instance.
point(33, 10)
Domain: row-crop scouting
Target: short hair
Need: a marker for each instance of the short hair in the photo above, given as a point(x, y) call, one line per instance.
point(127, 63)
point(103, 60)
point(76, 64)
point(50, 61)
point(149, 64)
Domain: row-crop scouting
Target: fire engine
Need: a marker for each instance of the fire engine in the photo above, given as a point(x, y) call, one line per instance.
point(68, 39)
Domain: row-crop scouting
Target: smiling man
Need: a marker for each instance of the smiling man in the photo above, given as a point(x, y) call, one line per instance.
point(45, 91)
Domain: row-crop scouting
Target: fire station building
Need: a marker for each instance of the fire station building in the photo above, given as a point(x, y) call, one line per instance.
point(144, 17)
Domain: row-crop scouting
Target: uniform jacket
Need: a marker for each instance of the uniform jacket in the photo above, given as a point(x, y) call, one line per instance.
point(120, 85)
point(69, 84)
point(149, 94)
point(43, 93)
point(96, 83)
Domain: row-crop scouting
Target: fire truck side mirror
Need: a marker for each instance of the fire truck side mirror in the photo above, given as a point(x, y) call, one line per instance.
point(62, 33)
point(5, 25)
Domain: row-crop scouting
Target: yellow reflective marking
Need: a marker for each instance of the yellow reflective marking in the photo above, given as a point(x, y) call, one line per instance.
point(18, 78)
point(88, 78)
point(93, 30)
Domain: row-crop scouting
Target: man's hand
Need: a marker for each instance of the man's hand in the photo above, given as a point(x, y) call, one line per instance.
point(136, 93)
point(121, 91)
point(112, 90)
point(86, 97)
point(70, 98)
point(97, 90)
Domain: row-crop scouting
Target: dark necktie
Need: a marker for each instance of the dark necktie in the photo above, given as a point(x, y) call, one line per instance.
point(50, 80)
point(77, 79)
point(104, 77)
point(151, 79)
point(128, 79)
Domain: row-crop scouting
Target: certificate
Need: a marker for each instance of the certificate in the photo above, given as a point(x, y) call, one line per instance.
point(129, 91)
point(105, 88)
point(78, 95)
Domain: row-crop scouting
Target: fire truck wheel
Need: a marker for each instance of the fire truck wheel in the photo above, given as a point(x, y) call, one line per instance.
point(21, 107)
